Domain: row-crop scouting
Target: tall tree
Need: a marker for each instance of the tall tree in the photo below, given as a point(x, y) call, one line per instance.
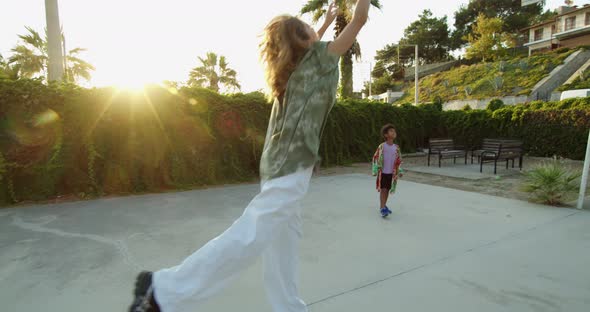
point(31, 58)
point(318, 8)
point(77, 67)
point(514, 15)
point(8, 71)
point(212, 73)
point(487, 41)
point(431, 34)
point(30, 55)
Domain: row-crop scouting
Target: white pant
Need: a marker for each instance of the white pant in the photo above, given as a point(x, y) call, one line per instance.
point(270, 226)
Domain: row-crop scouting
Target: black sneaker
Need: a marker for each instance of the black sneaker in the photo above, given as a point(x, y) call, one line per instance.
point(144, 294)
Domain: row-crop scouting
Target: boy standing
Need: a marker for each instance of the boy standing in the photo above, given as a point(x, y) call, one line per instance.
point(386, 166)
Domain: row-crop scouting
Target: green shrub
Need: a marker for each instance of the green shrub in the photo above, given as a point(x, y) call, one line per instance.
point(494, 105)
point(551, 184)
point(466, 107)
point(64, 140)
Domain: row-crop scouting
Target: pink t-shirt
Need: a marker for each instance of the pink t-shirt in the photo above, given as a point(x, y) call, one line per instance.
point(389, 156)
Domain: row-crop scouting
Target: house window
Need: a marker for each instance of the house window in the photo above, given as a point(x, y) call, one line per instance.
point(539, 34)
point(570, 23)
point(553, 29)
point(587, 18)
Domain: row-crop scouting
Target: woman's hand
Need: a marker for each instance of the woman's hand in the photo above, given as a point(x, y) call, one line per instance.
point(348, 36)
point(332, 13)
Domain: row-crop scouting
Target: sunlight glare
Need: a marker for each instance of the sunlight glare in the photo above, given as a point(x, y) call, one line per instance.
point(131, 86)
point(45, 118)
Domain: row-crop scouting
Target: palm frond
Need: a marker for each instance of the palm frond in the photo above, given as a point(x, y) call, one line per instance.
point(318, 14)
point(314, 5)
point(30, 63)
point(33, 38)
point(76, 51)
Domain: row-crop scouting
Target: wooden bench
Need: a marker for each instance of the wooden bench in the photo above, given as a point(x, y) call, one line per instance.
point(487, 145)
point(445, 149)
point(501, 149)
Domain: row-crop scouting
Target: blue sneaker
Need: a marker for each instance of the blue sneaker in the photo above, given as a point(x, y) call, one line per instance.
point(384, 212)
point(388, 211)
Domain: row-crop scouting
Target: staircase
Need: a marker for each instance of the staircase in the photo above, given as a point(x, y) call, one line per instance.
point(561, 74)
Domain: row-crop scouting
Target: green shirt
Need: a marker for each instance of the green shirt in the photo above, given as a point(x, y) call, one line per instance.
point(296, 124)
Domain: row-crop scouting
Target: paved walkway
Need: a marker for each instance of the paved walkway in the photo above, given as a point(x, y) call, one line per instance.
point(441, 250)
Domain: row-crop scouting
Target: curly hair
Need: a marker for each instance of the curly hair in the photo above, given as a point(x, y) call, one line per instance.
point(285, 41)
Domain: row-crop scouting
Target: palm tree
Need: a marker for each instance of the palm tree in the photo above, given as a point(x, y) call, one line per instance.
point(77, 67)
point(318, 9)
point(30, 55)
point(213, 71)
point(31, 58)
point(8, 71)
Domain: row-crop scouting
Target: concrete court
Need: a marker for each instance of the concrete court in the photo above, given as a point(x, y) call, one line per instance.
point(469, 171)
point(441, 250)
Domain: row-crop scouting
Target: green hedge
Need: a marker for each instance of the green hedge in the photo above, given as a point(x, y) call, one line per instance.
point(62, 140)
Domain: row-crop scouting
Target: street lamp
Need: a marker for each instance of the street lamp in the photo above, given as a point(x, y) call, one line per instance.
point(417, 89)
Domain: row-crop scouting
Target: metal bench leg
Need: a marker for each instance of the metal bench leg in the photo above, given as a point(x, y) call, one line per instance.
point(428, 159)
point(495, 165)
point(507, 162)
point(520, 163)
point(512, 163)
point(439, 161)
point(481, 166)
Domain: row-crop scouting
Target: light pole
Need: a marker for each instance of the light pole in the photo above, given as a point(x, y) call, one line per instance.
point(584, 181)
point(54, 48)
point(416, 78)
point(370, 79)
point(416, 87)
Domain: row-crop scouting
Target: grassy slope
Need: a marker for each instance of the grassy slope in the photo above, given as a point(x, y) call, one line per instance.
point(509, 77)
point(582, 82)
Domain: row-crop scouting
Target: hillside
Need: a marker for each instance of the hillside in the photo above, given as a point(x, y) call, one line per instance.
point(581, 82)
point(515, 76)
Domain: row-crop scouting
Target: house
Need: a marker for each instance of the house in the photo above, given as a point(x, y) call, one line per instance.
point(570, 28)
point(387, 97)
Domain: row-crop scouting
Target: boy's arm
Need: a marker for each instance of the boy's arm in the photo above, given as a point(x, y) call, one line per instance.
point(400, 161)
point(375, 164)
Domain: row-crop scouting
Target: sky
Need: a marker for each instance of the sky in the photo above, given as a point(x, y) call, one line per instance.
point(133, 42)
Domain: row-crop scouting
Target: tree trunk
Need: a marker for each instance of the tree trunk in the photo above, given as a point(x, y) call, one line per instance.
point(345, 88)
point(54, 47)
point(346, 75)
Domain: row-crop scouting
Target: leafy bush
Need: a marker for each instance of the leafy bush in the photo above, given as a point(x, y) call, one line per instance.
point(466, 107)
point(497, 83)
point(551, 184)
point(63, 140)
point(494, 105)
